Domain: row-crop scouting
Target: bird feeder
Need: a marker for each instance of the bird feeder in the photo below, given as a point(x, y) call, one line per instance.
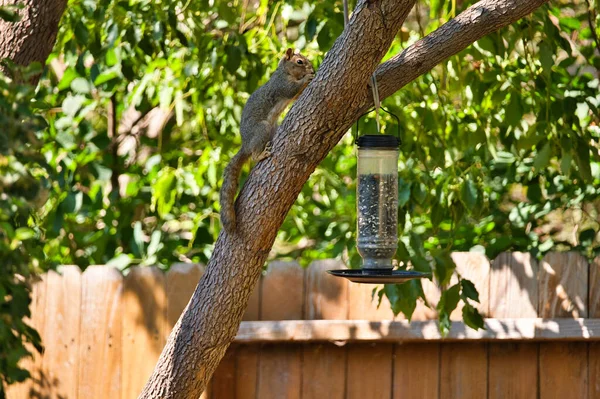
point(377, 211)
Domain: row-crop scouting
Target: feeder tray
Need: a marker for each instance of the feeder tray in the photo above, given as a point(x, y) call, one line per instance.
point(378, 276)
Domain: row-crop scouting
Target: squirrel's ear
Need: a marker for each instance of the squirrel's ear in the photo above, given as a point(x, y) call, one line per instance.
point(289, 53)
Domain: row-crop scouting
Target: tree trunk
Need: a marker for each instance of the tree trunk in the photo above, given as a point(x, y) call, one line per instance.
point(316, 122)
point(31, 38)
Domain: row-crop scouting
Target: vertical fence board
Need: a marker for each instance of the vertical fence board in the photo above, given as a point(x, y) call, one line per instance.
point(416, 371)
point(282, 298)
point(144, 327)
point(61, 335)
point(369, 371)
point(100, 337)
point(246, 371)
point(326, 295)
point(563, 370)
point(463, 371)
point(513, 370)
point(324, 365)
point(252, 312)
point(222, 384)
point(362, 304)
point(514, 286)
point(181, 280)
point(463, 368)
point(563, 279)
point(31, 387)
point(324, 371)
point(513, 367)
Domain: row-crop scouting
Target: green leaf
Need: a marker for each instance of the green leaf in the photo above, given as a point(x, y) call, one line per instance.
point(582, 159)
point(546, 57)
point(471, 317)
point(468, 194)
point(449, 299)
point(469, 290)
point(234, 58)
point(106, 76)
point(120, 262)
point(419, 192)
point(24, 233)
point(542, 159)
point(80, 85)
point(72, 104)
point(403, 193)
point(514, 110)
point(444, 267)
point(9, 14)
point(403, 297)
point(311, 28)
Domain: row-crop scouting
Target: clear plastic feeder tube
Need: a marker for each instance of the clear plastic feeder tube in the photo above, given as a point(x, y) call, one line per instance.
point(377, 200)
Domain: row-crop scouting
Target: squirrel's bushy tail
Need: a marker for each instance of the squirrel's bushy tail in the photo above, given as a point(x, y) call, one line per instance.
point(231, 177)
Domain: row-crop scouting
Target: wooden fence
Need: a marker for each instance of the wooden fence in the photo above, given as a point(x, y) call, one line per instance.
point(310, 335)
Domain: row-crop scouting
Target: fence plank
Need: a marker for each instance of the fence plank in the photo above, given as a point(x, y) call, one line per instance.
point(324, 371)
point(463, 371)
point(594, 347)
point(563, 370)
point(369, 371)
point(61, 337)
point(324, 365)
point(563, 293)
point(513, 371)
point(563, 279)
point(100, 337)
point(144, 327)
point(32, 387)
point(280, 369)
point(326, 295)
point(416, 371)
point(514, 286)
point(363, 304)
point(282, 295)
point(246, 371)
point(181, 280)
point(513, 293)
point(222, 383)
point(253, 310)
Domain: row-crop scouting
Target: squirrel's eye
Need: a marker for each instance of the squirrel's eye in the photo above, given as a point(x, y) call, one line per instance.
point(299, 62)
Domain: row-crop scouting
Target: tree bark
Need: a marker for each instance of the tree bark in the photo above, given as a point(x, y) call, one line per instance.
point(32, 38)
point(316, 122)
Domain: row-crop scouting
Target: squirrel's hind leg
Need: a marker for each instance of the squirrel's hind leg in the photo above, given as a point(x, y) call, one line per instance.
point(261, 142)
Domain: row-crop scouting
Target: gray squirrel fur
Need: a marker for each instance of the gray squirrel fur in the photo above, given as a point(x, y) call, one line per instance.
point(259, 124)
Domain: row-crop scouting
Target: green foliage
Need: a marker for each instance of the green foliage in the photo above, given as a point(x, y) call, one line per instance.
point(21, 188)
point(143, 101)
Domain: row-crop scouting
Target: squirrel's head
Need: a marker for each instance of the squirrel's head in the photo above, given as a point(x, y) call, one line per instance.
point(296, 65)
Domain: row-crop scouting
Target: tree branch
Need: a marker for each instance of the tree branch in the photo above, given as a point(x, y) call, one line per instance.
point(314, 125)
point(32, 37)
point(477, 21)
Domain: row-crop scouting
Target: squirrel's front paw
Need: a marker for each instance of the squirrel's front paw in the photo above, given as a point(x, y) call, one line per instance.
point(265, 153)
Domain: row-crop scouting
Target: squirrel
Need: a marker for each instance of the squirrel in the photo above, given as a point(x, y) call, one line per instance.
point(259, 124)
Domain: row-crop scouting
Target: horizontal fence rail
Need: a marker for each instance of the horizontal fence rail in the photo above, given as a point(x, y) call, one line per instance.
point(307, 334)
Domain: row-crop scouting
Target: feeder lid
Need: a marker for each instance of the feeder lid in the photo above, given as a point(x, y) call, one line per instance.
point(378, 141)
point(378, 276)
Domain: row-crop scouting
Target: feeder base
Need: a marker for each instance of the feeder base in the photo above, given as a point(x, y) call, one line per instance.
point(378, 276)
